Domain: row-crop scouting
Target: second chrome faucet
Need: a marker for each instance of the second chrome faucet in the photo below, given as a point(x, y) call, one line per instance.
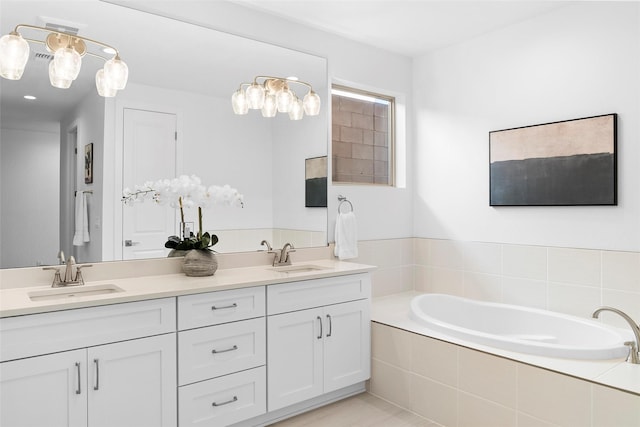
point(281, 257)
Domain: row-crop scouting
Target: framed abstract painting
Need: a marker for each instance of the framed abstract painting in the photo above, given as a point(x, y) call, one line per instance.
point(567, 163)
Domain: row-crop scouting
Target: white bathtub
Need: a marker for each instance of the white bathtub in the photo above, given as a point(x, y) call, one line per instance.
point(517, 328)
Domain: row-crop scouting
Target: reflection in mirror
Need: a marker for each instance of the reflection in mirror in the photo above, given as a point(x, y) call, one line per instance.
point(174, 117)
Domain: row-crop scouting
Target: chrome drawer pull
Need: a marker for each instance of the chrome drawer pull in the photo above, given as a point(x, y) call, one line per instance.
point(330, 327)
point(234, 305)
point(225, 403)
point(320, 334)
point(97, 384)
point(78, 390)
point(214, 351)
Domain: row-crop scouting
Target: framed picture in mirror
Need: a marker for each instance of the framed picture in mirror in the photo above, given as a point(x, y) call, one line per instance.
point(88, 163)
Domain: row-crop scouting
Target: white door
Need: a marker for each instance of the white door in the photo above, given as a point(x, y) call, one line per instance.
point(347, 344)
point(44, 391)
point(294, 355)
point(149, 154)
point(133, 383)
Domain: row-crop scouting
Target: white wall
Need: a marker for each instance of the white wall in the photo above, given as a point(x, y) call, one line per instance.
point(580, 60)
point(29, 185)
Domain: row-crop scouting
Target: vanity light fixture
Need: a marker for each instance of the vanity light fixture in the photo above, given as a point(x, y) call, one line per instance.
point(273, 95)
point(68, 50)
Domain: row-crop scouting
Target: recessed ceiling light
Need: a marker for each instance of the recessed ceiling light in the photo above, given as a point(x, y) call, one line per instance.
point(29, 97)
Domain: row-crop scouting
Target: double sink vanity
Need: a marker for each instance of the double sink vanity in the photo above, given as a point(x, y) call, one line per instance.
point(247, 346)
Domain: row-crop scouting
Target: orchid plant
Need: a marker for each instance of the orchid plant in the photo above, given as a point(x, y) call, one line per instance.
point(185, 192)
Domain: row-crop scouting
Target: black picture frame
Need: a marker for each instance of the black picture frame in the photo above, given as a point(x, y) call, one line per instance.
point(315, 182)
point(88, 163)
point(564, 163)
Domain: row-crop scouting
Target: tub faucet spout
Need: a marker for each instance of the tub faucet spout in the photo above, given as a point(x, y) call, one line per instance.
point(634, 354)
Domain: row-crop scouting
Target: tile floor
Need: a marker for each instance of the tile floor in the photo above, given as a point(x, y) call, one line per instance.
point(362, 410)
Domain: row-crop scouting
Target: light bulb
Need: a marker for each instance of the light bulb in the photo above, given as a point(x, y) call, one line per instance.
point(116, 73)
point(102, 87)
point(14, 53)
point(269, 109)
point(56, 79)
point(67, 63)
point(255, 96)
point(239, 102)
point(297, 110)
point(311, 104)
point(284, 100)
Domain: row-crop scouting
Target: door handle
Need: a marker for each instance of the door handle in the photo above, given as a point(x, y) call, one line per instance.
point(130, 243)
point(330, 326)
point(78, 389)
point(96, 385)
point(320, 334)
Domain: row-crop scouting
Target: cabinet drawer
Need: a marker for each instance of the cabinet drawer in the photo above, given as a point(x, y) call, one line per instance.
point(293, 296)
point(34, 334)
point(219, 350)
point(213, 308)
point(225, 400)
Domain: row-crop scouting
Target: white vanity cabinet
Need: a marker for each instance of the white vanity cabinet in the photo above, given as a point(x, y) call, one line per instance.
point(221, 357)
point(90, 367)
point(319, 337)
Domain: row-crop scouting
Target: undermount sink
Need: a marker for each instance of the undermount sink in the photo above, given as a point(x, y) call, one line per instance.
point(73, 291)
point(305, 268)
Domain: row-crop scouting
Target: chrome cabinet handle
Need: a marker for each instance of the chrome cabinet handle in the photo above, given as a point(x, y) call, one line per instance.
point(129, 243)
point(225, 403)
point(330, 326)
point(320, 334)
point(234, 305)
point(78, 389)
point(214, 351)
point(96, 385)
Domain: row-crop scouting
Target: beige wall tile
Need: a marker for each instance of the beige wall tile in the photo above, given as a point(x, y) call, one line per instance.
point(387, 281)
point(476, 412)
point(421, 278)
point(576, 266)
point(615, 408)
point(483, 287)
point(525, 420)
point(445, 281)
point(421, 251)
point(482, 257)
point(574, 300)
point(629, 302)
point(621, 270)
point(526, 292)
point(488, 376)
point(434, 359)
point(446, 253)
point(391, 383)
point(435, 401)
point(527, 262)
point(553, 398)
point(391, 345)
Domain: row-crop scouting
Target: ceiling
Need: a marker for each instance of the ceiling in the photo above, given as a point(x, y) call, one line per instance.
point(408, 27)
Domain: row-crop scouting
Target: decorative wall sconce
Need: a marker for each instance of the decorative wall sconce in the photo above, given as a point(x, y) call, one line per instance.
point(274, 95)
point(68, 50)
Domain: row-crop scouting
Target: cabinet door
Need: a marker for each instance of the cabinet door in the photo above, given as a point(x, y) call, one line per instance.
point(294, 357)
point(347, 344)
point(133, 383)
point(47, 391)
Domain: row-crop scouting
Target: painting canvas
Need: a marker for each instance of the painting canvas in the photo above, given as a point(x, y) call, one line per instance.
point(88, 163)
point(566, 163)
point(316, 182)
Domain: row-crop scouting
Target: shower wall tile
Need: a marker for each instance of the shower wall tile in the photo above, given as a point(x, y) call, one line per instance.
point(621, 271)
point(483, 287)
point(482, 257)
point(575, 300)
point(575, 266)
point(446, 254)
point(526, 262)
point(525, 292)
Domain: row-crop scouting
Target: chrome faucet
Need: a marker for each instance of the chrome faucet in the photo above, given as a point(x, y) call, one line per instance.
point(70, 279)
point(276, 253)
point(634, 355)
point(285, 259)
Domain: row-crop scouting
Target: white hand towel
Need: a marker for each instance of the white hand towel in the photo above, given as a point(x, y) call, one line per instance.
point(82, 220)
point(346, 236)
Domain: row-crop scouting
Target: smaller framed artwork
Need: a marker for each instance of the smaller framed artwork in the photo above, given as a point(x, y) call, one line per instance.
point(88, 163)
point(316, 182)
point(567, 163)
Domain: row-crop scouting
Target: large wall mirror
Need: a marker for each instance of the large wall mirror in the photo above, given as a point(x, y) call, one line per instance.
point(177, 70)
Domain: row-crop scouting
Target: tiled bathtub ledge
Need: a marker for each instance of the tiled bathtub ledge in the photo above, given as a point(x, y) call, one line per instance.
point(393, 310)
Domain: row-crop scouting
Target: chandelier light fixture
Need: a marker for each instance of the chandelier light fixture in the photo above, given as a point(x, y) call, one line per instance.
point(67, 50)
point(274, 95)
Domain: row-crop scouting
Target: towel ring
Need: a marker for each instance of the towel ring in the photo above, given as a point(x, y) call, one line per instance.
point(344, 200)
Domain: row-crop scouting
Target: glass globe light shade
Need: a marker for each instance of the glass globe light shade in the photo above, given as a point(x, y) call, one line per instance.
point(56, 79)
point(67, 63)
point(284, 100)
point(116, 73)
point(239, 102)
point(102, 87)
point(255, 96)
point(269, 109)
point(297, 110)
point(14, 53)
point(311, 104)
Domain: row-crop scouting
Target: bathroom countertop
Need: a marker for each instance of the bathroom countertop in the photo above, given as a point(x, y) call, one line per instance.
point(16, 301)
point(393, 310)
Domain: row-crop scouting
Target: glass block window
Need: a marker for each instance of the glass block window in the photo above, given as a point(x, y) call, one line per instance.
point(362, 136)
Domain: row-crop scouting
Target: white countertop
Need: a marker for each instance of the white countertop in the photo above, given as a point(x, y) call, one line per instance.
point(393, 310)
point(16, 301)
